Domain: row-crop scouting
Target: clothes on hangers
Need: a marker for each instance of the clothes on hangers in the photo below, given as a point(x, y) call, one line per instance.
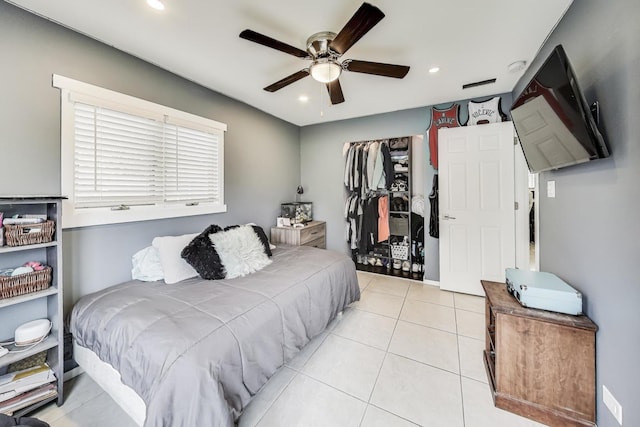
point(434, 226)
point(383, 218)
point(368, 167)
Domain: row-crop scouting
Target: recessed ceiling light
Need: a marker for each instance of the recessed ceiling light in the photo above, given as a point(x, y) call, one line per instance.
point(303, 98)
point(433, 70)
point(514, 67)
point(156, 4)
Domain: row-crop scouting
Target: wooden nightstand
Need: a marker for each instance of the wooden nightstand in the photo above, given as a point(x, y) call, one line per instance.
point(312, 234)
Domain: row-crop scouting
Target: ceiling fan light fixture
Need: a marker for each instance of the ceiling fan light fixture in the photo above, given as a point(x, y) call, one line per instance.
point(325, 70)
point(156, 4)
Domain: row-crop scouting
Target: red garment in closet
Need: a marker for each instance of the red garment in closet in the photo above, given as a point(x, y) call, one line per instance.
point(383, 218)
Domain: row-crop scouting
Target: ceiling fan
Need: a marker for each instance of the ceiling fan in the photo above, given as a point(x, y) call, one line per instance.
point(324, 50)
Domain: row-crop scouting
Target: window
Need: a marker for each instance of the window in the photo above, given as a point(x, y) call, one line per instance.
point(125, 159)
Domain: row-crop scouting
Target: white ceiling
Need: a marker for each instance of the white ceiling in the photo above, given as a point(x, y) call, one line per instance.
point(198, 39)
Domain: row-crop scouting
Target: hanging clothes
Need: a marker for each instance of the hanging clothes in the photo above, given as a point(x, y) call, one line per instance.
point(372, 158)
point(434, 227)
point(383, 218)
point(387, 164)
point(369, 229)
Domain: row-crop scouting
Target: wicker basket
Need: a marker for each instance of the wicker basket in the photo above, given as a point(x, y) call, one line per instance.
point(13, 286)
point(24, 234)
point(400, 252)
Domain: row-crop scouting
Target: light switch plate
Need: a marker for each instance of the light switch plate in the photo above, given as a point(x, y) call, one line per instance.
point(551, 189)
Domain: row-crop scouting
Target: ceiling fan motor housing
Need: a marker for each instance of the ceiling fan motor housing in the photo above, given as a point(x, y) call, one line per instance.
point(318, 45)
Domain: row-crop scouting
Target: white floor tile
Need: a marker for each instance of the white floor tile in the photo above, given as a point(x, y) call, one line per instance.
point(307, 402)
point(469, 302)
point(376, 417)
point(77, 391)
point(391, 286)
point(470, 324)
point(301, 358)
point(431, 315)
point(375, 302)
point(364, 278)
point(101, 411)
point(266, 396)
point(422, 394)
point(365, 327)
point(346, 365)
point(480, 412)
point(471, 358)
point(427, 345)
point(429, 293)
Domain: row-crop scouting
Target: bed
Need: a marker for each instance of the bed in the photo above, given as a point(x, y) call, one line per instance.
point(195, 352)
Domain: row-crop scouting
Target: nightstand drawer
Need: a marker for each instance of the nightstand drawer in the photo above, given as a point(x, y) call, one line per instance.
point(317, 243)
point(310, 233)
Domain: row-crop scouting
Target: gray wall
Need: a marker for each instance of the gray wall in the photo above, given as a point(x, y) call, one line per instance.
point(262, 154)
point(589, 233)
point(322, 166)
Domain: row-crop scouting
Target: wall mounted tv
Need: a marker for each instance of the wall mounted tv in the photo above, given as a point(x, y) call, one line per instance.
point(553, 121)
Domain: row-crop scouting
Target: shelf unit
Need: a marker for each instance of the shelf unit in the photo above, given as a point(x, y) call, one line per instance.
point(540, 364)
point(47, 303)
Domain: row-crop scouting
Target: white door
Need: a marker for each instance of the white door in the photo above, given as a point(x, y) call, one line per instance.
point(476, 203)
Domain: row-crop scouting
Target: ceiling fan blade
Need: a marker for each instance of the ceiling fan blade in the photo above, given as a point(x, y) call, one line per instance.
point(335, 92)
point(365, 18)
point(287, 80)
point(272, 43)
point(377, 68)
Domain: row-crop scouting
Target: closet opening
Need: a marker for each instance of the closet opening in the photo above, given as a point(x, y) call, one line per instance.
point(384, 209)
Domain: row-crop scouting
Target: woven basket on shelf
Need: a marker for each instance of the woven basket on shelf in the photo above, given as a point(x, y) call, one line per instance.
point(400, 251)
point(13, 286)
point(29, 234)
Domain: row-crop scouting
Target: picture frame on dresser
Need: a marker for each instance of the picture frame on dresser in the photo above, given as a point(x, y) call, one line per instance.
point(38, 244)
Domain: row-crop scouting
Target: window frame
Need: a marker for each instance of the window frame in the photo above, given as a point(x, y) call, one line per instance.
point(72, 91)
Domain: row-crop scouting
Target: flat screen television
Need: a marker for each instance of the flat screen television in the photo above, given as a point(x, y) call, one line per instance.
point(553, 121)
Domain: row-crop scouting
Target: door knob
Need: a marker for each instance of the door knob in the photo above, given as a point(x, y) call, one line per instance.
point(449, 217)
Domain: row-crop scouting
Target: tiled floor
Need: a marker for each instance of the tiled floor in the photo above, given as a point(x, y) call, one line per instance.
point(407, 354)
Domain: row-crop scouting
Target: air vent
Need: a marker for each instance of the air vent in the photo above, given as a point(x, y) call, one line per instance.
point(483, 82)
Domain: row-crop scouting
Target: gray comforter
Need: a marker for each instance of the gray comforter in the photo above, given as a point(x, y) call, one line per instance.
point(197, 351)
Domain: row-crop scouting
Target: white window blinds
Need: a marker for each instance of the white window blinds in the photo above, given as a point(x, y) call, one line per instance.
point(121, 153)
point(118, 158)
point(191, 159)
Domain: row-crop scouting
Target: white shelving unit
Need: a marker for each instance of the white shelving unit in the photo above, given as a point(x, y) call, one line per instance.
point(47, 303)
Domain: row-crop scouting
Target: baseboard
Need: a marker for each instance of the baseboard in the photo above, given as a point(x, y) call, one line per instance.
point(72, 373)
point(431, 282)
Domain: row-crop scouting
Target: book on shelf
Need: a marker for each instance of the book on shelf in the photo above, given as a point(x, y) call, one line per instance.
point(15, 383)
point(43, 392)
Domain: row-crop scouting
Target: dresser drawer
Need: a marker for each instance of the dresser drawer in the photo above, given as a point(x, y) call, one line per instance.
point(317, 243)
point(311, 233)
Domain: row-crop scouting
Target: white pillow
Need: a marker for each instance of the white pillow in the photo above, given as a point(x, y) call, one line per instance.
point(174, 267)
point(240, 251)
point(146, 265)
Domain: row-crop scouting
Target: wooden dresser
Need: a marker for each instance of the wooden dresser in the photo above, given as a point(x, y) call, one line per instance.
point(540, 364)
point(312, 234)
